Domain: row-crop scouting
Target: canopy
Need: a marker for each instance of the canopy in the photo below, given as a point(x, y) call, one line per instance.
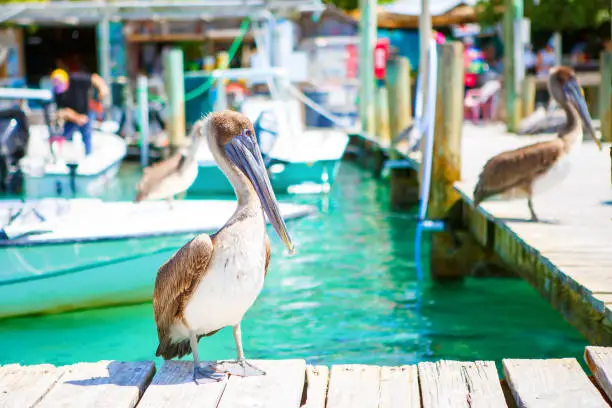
point(436, 7)
point(92, 12)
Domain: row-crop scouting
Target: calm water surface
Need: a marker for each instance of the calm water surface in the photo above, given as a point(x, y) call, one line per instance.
point(351, 294)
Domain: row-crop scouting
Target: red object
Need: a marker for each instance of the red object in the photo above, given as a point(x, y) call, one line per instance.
point(381, 53)
point(351, 61)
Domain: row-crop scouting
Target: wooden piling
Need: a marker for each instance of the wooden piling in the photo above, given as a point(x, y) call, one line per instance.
point(175, 88)
point(605, 95)
point(405, 190)
point(367, 41)
point(403, 100)
point(400, 96)
point(528, 93)
point(382, 116)
point(446, 163)
point(513, 12)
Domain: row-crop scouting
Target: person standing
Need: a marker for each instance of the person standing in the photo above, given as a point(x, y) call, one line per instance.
point(71, 93)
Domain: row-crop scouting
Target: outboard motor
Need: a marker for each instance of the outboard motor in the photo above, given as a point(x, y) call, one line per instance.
point(14, 136)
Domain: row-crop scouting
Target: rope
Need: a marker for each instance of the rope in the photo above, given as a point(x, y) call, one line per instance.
point(315, 106)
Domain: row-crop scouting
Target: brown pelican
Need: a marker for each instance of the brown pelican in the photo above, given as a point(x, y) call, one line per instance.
point(213, 280)
point(530, 170)
point(166, 179)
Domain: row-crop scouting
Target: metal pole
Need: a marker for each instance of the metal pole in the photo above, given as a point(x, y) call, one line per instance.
point(175, 88)
point(104, 52)
point(367, 31)
point(424, 43)
point(558, 43)
point(143, 114)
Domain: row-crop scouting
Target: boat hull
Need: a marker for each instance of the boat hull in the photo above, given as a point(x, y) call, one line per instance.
point(51, 185)
point(210, 181)
point(300, 177)
point(285, 177)
point(61, 277)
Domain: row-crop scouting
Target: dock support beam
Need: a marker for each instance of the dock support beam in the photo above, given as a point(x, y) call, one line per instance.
point(175, 88)
point(605, 95)
point(513, 14)
point(367, 32)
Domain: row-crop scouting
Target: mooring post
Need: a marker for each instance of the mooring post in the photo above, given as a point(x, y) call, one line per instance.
point(528, 95)
point(175, 88)
point(383, 115)
point(605, 95)
point(446, 164)
point(383, 128)
point(367, 41)
point(403, 95)
point(142, 93)
point(404, 181)
point(513, 13)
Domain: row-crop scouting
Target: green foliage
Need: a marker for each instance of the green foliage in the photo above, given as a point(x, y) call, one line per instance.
point(554, 15)
point(349, 5)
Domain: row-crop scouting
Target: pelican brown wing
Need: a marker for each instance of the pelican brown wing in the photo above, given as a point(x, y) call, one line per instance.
point(153, 175)
point(175, 282)
point(515, 168)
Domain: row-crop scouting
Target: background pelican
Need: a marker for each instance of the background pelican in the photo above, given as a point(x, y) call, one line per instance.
point(213, 280)
point(532, 169)
point(167, 178)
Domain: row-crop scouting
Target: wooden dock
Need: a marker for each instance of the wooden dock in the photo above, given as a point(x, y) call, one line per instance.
point(294, 384)
point(567, 256)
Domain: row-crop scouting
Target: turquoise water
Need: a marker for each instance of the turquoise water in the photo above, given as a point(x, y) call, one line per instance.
point(351, 294)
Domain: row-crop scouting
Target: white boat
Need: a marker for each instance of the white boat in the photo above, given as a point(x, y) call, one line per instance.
point(299, 160)
point(61, 168)
point(89, 253)
point(48, 174)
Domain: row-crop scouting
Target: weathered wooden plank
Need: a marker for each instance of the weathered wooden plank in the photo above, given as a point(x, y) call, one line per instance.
point(399, 387)
point(460, 384)
point(551, 383)
point(281, 387)
point(316, 387)
point(353, 386)
point(599, 360)
point(103, 384)
point(173, 385)
point(25, 386)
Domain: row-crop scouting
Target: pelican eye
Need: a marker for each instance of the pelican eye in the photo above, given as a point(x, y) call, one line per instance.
point(247, 132)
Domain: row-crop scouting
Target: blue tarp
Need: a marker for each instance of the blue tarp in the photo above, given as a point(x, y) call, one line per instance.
point(406, 42)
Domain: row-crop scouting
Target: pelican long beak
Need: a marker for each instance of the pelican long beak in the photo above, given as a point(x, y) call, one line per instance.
point(244, 152)
point(576, 97)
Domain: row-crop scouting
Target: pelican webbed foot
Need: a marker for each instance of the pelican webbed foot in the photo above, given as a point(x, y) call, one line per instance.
point(240, 368)
point(203, 374)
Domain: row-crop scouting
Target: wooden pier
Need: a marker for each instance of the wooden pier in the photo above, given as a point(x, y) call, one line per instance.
point(294, 384)
point(566, 256)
